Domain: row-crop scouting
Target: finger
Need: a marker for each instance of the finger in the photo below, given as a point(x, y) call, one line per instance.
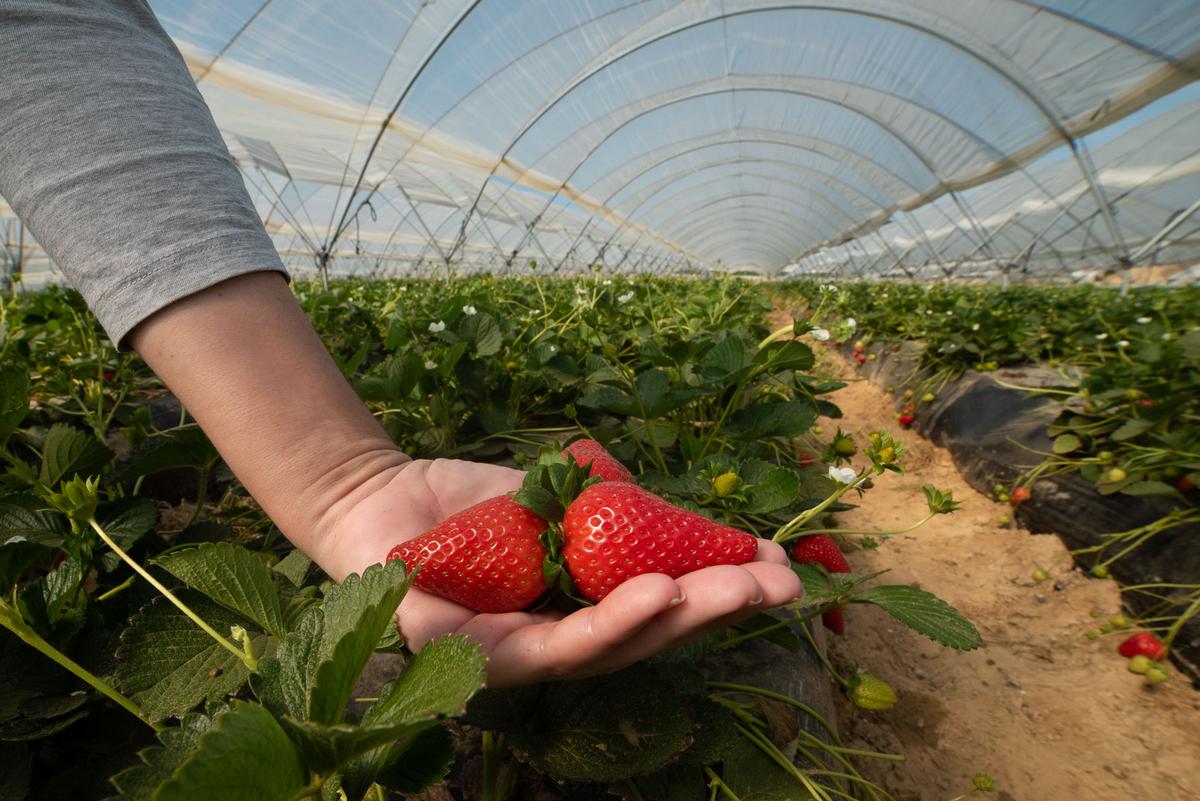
point(769, 551)
point(570, 647)
point(489, 630)
point(716, 597)
point(423, 617)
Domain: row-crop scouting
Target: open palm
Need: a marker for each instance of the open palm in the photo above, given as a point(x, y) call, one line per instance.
point(643, 616)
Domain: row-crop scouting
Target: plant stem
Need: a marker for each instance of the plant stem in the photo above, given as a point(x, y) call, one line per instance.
point(1177, 626)
point(11, 620)
point(124, 585)
point(824, 661)
point(249, 660)
point(787, 699)
point(715, 781)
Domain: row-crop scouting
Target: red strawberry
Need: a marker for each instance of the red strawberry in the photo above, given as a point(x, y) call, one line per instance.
point(822, 549)
point(806, 459)
point(907, 420)
point(616, 530)
point(834, 621)
point(487, 558)
point(604, 465)
point(1019, 496)
point(1186, 484)
point(1144, 644)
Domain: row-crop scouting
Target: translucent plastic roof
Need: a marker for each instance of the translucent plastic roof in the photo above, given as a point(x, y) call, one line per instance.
point(874, 136)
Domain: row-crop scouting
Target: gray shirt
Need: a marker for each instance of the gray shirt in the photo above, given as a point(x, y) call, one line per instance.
point(112, 159)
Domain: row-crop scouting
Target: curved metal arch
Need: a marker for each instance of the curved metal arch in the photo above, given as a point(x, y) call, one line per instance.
point(1007, 72)
point(763, 235)
point(782, 83)
point(704, 203)
point(758, 137)
point(694, 230)
point(777, 164)
point(886, 128)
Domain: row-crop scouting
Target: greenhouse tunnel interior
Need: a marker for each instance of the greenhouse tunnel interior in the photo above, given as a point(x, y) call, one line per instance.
point(979, 141)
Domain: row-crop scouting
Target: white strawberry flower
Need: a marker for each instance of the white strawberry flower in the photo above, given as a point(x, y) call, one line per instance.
point(437, 327)
point(628, 296)
point(1124, 343)
point(1143, 320)
point(975, 327)
point(430, 364)
point(852, 323)
point(1101, 337)
point(606, 282)
point(469, 310)
point(843, 475)
point(820, 334)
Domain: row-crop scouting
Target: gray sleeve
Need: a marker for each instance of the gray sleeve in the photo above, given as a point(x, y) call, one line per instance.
point(112, 159)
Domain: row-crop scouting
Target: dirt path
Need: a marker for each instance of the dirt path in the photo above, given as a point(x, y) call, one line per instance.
point(1050, 715)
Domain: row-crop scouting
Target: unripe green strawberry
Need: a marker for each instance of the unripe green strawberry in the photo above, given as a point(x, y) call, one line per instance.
point(844, 446)
point(868, 692)
point(725, 484)
point(983, 783)
point(928, 397)
point(1040, 575)
point(1139, 664)
point(1100, 571)
point(1105, 456)
point(1156, 674)
point(1114, 475)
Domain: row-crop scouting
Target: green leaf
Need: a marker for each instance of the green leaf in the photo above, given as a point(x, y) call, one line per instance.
point(437, 682)
point(1067, 443)
point(233, 577)
point(181, 448)
point(169, 665)
point(651, 387)
point(1151, 488)
point(314, 671)
point(245, 757)
point(484, 331)
point(294, 567)
point(1131, 428)
point(14, 396)
point(754, 776)
point(790, 355)
point(424, 760)
point(606, 728)
point(924, 613)
point(159, 762)
point(326, 748)
point(18, 767)
point(126, 520)
point(785, 419)
point(728, 355)
point(25, 518)
point(69, 452)
point(779, 488)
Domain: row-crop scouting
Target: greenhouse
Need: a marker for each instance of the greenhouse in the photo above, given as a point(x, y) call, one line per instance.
point(667, 400)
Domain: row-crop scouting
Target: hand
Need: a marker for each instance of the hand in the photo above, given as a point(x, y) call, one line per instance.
point(643, 616)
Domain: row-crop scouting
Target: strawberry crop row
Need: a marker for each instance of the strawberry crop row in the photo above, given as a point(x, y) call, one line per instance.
point(177, 636)
point(1126, 387)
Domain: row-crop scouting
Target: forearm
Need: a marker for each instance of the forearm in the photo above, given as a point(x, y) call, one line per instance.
point(244, 360)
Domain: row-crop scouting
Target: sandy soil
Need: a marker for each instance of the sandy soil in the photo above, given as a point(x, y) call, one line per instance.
point(1047, 713)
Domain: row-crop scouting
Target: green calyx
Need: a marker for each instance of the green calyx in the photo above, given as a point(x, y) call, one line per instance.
point(552, 484)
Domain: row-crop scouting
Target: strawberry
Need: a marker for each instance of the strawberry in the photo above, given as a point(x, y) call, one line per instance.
point(907, 419)
point(1019, 496)
point(834, 620)
point(488, 557)
point(614, 531)
point(1142, 644)
point(822, 549)
point(1186, 484)
point(868, 692)
point(603, 464)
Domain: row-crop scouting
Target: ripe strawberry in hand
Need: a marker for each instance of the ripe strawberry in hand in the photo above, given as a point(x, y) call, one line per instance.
point(603, 464)
point(488, 557)
point(614, 531)
point(822, 549)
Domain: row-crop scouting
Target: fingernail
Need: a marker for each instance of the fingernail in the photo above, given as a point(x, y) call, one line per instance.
point(677, 601)
point(797, 599)
point(756, 601)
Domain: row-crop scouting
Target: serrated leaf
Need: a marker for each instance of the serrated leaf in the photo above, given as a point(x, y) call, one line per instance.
point(728, 355)
point(169, 665)
point(777, 489)
point(422, 761)
point(1151, 488)
point(606, 728)
point(22, 729)
point(1067, 443)
point(181, 448)
point(439, 681)
point(26, 518)
point(754, 776)
point(69, 452)
point(126, 520)
point(785, 419)
point(326, 748)
point(294, 567)
point(244, 757)
point(233, 577)
point(14, 396)
point(924, 613)
point(484, 331)
point(790, 355)
point(158, 762)
point(1131, 428)
point(311, 675)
